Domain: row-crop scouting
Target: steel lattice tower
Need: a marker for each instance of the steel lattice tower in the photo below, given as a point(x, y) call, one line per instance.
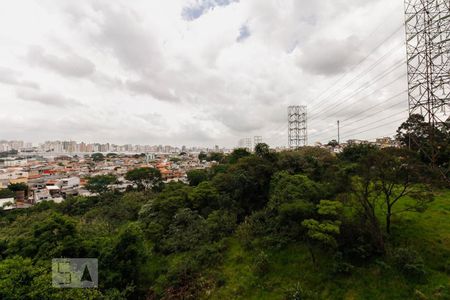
point(245, 143)
point(428, 57)
point(297, 126)
point(257, 140)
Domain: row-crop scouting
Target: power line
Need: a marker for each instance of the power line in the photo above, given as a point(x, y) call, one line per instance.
point(370, 129)
point(362, 114)
point(358, 76)
point(365, 97)
point(278, 136)
point(359, 63)
point(363, 88)
point(356, 121)
point(383, 102)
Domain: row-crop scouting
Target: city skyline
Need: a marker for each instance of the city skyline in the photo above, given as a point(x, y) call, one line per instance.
point(65, 146)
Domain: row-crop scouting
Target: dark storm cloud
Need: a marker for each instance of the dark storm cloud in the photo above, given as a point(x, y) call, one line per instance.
point(50, 99)
point(330, 56)
point(11, 77)
point(70, 65)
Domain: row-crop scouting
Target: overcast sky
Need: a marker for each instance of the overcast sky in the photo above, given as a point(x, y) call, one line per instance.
point(199, 72)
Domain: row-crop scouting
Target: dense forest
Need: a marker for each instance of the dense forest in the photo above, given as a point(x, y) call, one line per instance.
point(367, 223)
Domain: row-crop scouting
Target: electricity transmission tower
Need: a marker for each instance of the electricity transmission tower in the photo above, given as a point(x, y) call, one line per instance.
point(245, 143)
point(257, 140)
point(428, 57)
point(297, 126)
point(428, 53)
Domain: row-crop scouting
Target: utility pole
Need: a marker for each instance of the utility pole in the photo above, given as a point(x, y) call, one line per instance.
point(339, 134)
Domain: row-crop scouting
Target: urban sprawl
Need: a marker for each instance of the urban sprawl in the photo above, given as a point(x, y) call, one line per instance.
point(58, 169)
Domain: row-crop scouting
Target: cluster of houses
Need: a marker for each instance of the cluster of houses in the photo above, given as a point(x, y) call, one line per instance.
point(56, 178)
point(384, 142)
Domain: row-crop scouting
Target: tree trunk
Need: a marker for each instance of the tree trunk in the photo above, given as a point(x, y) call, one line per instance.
point(311, 252)
point(377, 234)
point(388, 221)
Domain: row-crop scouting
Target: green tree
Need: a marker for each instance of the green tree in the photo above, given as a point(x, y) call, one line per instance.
point(333, 143)
point(202, 156)
point(215, 156)
point(8, 153)
point(355, 153)
point(125, 262)
point(432, 143)
point(97, 157)
point(398, 177)
point(386, 178)
point(188, 230)
point(57, 236)
point(413, 133)
point(316, 163)
point(6, 193)
point(262, 150)
point(293, 198)
point(365, 196)
point(221, 223)
point(16, 277)
point(197, 176)
point(100, 183)
point(175, 159)
point(145, 178)
point(247, 183)
point(326, 228)
point(20, 278)
point(112, 155)
point(156, 216)
point(115, 210)
point(18, 187)
point(238, 154)
point(205, 198)
point(286, 188)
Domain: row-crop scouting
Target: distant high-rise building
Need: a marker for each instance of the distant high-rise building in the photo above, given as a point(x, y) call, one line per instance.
point(167, 149)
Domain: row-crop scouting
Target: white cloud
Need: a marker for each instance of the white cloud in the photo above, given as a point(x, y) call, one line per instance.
point(51, 99)
point(11, 77)
point(69, 65)
point(213, 71)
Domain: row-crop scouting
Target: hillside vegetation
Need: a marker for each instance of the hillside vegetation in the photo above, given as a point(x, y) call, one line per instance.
point(367, 224)
point(290, 270)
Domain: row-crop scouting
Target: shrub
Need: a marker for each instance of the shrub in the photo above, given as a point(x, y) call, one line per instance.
point(446, 267)
point(409, 262)
point(340, 266)
point(261, 263)
point(256, 226)
point(299, 293)
point(442, 292)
